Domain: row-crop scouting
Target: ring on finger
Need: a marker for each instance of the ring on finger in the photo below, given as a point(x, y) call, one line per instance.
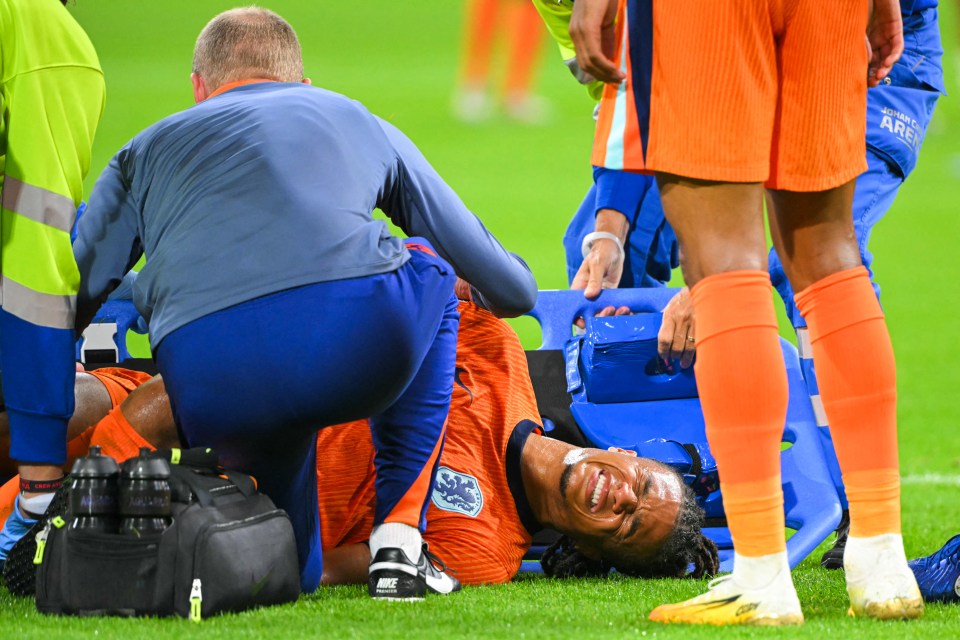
point(691, 339)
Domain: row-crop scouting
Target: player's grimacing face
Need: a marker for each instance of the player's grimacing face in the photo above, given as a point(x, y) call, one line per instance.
point(613, 499)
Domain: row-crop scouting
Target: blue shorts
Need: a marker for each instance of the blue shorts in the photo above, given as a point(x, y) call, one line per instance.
point(256, 381)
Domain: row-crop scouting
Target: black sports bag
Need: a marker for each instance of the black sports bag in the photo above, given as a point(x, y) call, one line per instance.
point(228, 549)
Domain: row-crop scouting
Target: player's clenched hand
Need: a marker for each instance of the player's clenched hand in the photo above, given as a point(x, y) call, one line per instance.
point(676, 337)
point(884, 39)
point(594, 38)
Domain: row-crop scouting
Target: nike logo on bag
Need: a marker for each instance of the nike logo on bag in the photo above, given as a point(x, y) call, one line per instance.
point(260, 584)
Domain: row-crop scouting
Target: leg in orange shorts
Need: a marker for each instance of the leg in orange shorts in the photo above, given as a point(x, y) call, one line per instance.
point(745, 94)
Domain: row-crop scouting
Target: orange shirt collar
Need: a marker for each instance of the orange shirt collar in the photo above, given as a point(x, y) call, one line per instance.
point(238, 83)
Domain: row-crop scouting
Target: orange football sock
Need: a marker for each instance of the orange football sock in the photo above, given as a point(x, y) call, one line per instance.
point(479, 37)
point(857, 377)
point(743, 390)
point(525, 39)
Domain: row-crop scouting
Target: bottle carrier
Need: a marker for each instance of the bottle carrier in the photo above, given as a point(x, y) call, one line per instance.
point(228, 548)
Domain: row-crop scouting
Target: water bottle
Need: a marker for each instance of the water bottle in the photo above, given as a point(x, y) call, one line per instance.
point(144, 494)
point(93, 492)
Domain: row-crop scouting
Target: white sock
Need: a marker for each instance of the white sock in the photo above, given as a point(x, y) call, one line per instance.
point(395, 534)
point(36, 504)
point(769, 571)
point(863, 555)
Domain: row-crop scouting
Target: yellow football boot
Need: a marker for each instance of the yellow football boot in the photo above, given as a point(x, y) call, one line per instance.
point(728, 603)
point(879, 581)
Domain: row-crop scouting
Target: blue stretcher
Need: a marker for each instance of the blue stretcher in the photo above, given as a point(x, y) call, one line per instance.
point(662, 418)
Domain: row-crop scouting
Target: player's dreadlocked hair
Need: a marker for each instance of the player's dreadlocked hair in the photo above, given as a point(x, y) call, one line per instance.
point(686, 545)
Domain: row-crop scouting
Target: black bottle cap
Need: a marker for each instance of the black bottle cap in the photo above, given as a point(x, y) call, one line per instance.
point(94, 465)
point(147, 466)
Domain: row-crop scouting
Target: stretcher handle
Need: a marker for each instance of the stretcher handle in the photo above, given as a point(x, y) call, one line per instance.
point(557, 309)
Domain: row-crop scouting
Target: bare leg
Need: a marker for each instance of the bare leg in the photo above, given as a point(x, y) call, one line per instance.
point(148, 411)
point(813, 233)
point(719, 225)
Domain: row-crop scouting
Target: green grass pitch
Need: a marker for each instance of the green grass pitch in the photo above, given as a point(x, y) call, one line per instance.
point(401, 60)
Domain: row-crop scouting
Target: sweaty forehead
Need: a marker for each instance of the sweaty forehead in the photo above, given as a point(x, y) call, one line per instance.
point(651, 465)
point(660, 496)
point(669, 480)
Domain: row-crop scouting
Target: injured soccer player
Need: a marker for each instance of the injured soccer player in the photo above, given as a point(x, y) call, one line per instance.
point(499, 481)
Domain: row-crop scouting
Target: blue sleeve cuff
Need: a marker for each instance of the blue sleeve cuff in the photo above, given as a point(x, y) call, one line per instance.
point(621, 191)
point(39, 375)
point(38, 439)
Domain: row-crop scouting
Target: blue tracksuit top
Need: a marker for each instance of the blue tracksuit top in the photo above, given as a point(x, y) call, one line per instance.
point(266, 187)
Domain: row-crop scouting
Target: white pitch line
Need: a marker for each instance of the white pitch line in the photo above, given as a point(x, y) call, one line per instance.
point(932, 478)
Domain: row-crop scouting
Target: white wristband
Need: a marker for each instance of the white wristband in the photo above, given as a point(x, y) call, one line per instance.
point(590, 238)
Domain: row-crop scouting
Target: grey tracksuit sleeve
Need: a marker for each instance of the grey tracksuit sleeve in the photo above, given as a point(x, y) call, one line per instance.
point(418, 201)
point(113, 239)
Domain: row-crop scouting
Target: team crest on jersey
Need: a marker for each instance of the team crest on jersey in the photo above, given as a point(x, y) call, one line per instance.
point(457, 492)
